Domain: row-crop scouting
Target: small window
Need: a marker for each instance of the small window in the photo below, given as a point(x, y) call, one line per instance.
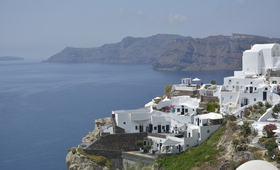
point(237, 82)
point(186, 110)
point(255, 88)
point(155, 128)
point(189, 134)
point(192, 109)
point(178, 110)
point(162, 127)
point(208, 131)
point(136, 127)
point(251, 82)
point(255, 99)
point(265, 88)
point(123, 122)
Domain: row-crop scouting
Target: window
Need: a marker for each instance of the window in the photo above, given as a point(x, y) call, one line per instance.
point(265, 88)
point(189, 134)
point(237, 82)
point(136, 127)
point(230, 97)
point(155, 128)
point(255, 99)
point(208, 131)
point(162, 127)
point(178, 109)
point(123, 122)
point(251, 82)
point(255, 88)
point(186, 110)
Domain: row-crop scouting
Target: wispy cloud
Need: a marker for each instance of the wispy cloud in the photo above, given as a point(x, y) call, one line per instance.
point(176, 18)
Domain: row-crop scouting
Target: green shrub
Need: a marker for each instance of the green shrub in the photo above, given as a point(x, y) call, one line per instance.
point(100, 160)
point(267, 105)
point(213, 81)
point(73, 150)
point(260, 104)
point(206, 86)
point(232, 118)
point(211, 107)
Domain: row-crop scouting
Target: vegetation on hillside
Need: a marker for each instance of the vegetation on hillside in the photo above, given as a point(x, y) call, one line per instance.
point(100, 160)
point(194, 157)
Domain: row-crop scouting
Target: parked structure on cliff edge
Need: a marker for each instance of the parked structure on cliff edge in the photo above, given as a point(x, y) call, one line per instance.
point(179, 121)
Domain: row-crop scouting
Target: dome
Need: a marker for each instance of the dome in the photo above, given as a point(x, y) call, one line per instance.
point(257, 165)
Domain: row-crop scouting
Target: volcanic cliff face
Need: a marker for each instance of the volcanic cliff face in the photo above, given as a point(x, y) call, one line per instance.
point(129, 50)
point(169, 52)
point(211, 53)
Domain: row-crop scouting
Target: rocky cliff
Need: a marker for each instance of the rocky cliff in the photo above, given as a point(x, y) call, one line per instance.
point(211, 53)
point(76, 161)
point(169, 52)
point(129, 50)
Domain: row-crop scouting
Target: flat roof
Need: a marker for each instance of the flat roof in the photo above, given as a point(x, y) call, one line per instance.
point(210, 116)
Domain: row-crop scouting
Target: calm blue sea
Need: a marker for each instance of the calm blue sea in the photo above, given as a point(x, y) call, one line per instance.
point(47, 108)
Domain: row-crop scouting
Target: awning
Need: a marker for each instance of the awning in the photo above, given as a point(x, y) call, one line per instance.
point(170, 142)
point(141, 122)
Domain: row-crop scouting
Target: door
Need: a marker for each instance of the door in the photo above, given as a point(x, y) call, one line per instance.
point(159, 128)
point(251, 89)
point(150, 128)
point(264, 95)
point(167, 128)
point(141, 128)
point(245, 102)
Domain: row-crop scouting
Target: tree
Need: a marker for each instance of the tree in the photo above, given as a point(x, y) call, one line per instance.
point(268, 129)
point(213, 81)
point(270, 145)
point(246, 128)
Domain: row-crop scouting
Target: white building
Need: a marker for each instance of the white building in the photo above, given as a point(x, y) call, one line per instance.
point(250, 85)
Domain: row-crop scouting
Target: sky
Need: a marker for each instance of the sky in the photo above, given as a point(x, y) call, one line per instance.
point(38, 29)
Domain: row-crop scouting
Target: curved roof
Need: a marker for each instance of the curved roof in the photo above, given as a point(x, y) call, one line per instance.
point(258, 47)
point(257, 165)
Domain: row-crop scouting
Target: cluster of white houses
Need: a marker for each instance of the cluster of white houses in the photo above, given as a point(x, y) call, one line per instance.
point(182, 126)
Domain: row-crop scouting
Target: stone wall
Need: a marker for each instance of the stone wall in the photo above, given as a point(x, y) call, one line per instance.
point(208, 99)
point(116, 129)
point(118, 141)
point(114, 155)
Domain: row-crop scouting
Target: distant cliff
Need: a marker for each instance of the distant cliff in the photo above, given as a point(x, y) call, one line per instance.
point(129, 50)
point(169, 52)
point(211, 53)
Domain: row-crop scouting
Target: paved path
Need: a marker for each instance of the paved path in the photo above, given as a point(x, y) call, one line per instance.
point(141, 154)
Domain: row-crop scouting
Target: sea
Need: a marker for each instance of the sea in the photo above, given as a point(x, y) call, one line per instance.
point(47, 108)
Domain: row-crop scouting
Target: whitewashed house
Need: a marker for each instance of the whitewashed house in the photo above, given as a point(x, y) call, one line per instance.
point(252, 84)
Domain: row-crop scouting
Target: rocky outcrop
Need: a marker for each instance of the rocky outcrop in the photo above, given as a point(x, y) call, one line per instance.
point(95, 134)
point(76, 161)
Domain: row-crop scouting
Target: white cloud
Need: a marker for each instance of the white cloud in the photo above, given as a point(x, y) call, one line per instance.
point(176, 18)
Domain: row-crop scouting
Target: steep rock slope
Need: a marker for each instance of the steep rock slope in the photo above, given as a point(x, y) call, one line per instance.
point(211, 53)
point(129, 50)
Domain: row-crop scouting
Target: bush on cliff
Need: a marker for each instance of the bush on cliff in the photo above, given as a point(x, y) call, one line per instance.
point(100, 160)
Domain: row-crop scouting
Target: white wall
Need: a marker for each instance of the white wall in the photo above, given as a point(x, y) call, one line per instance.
point(250, 62)
point(206, 131)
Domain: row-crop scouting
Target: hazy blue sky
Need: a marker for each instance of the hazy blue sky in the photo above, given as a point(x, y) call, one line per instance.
point(41, 28)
